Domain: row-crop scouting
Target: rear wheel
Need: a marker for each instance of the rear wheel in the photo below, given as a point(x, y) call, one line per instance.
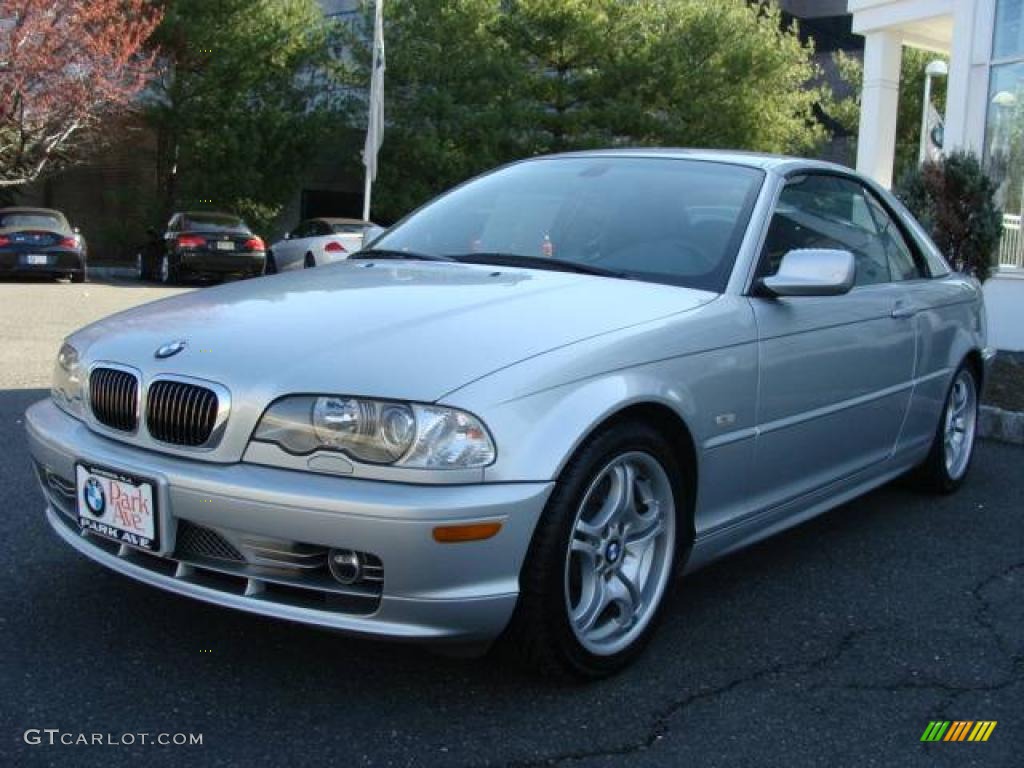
point(168, 272)
point(953, 445)
point(603, 555)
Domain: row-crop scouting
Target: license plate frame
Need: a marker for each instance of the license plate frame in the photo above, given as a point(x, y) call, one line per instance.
point(119, 506)
point(224, 245)
point(35, 259)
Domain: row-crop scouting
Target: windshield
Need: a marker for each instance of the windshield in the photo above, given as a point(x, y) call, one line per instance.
point(349, 229)
point(658, 219)
point(26, 220)
point(213, 222)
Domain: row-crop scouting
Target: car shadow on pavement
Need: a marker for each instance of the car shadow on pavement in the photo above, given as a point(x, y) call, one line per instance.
point(877, 612)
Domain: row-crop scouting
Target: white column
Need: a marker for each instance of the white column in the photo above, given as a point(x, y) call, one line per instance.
point(967, 97)
point(876, 139)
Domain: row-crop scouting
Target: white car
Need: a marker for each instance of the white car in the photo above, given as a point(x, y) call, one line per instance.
point(319, 241)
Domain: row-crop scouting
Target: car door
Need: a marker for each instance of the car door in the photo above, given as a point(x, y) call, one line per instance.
point(318, 238)
point(293, 249)
point(835, 371)
point(938, 307)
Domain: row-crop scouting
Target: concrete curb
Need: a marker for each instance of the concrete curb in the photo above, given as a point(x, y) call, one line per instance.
point(1005, 426)
point(113, 273)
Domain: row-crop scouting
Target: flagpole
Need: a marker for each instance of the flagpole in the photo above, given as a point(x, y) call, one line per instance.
point(375, 116)
point(366, 196)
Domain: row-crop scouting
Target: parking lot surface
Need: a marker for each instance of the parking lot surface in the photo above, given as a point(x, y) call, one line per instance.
point(833, 644)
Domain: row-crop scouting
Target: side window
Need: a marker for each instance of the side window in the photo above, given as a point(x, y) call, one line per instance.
point(320, 229)
point(172, 225)
point(300, 231)
point(902, 262)
point(822, 211)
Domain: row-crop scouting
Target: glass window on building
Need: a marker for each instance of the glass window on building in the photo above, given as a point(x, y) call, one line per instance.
point(1008, 40)
point(1004, 133)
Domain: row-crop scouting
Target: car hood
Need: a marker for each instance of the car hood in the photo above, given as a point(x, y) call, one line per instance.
point(402, 330)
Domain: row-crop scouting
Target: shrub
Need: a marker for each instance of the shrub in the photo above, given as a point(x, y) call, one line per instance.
point(954, 200)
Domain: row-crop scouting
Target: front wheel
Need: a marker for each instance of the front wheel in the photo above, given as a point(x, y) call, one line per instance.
point(953, 445)
point(309, 262)
point(603, 555)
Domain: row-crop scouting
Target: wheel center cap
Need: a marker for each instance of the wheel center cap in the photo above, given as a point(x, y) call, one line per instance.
point(613, 551)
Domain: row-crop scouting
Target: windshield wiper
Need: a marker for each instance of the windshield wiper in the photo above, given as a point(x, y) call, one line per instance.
point(385, 253)
point(538, 262)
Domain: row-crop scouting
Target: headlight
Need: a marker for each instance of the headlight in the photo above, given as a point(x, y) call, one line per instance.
point(66, 390)
point(378, 432)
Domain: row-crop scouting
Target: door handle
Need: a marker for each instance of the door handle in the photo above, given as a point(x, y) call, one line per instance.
point(902, 310)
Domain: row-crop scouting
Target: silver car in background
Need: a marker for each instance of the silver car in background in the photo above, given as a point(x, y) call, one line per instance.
point(527, 408)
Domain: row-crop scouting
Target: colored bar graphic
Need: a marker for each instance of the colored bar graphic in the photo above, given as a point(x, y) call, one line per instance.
point(935, 730)
point(959, 730)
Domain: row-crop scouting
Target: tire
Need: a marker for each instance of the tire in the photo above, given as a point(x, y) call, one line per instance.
point(949, 460)
point(141, 272)
point(309, 262)
point(270, 265)
point(575, 562)
point(168, 272)
point(78, 277)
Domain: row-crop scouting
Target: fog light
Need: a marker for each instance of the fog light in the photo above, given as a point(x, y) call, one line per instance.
point(345, 565)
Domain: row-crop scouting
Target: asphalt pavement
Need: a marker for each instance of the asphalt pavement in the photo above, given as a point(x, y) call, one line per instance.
point(833, 644)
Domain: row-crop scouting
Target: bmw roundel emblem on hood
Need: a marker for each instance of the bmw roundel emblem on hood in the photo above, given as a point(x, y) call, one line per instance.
point(170, 349)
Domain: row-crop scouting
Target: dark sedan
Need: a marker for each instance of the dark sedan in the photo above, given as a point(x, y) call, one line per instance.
point(203, 245)
point(39, 241)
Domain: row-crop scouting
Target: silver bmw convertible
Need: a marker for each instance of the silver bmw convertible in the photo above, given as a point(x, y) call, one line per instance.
point(527, 408)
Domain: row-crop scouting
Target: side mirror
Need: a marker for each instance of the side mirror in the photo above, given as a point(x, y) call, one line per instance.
point(287, 236)
point(812, 272)
point(76, 230)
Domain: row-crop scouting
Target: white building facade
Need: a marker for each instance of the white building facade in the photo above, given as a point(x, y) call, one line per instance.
point(984, 40)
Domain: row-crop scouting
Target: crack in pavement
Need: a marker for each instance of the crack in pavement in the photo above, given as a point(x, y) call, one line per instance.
point(659, 726)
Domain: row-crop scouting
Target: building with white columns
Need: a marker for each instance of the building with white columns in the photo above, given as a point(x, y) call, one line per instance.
point(984, 40)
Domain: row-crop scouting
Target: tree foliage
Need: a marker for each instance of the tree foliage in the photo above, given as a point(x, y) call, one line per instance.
point(472, 84)
point(954, 199)
point(233, 105)
point(64, 66)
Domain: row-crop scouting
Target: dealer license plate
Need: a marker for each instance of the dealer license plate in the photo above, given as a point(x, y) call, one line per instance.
point(35, 259)
point(225, 245)
point(118, 506)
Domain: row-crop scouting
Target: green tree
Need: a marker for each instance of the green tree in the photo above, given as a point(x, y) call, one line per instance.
point(846, 112)
point(233, 106)
point(479, 82)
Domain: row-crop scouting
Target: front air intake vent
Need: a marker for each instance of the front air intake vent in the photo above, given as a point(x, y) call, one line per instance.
point(114, 398)
point(181, 414)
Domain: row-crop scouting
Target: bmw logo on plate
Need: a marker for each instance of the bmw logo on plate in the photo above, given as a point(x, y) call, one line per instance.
point(94, 497)
point(170, 349)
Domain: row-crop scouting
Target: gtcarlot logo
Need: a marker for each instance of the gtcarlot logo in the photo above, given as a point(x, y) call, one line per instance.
point(56, 737)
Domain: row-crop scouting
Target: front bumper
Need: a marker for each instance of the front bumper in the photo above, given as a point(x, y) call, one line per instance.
point(430, 591)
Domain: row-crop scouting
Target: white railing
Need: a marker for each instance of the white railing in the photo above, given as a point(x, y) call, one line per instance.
point(1011, 246)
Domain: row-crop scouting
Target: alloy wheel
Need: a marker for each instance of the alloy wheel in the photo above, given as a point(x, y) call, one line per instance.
point(620, 553)
point(960, 424)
